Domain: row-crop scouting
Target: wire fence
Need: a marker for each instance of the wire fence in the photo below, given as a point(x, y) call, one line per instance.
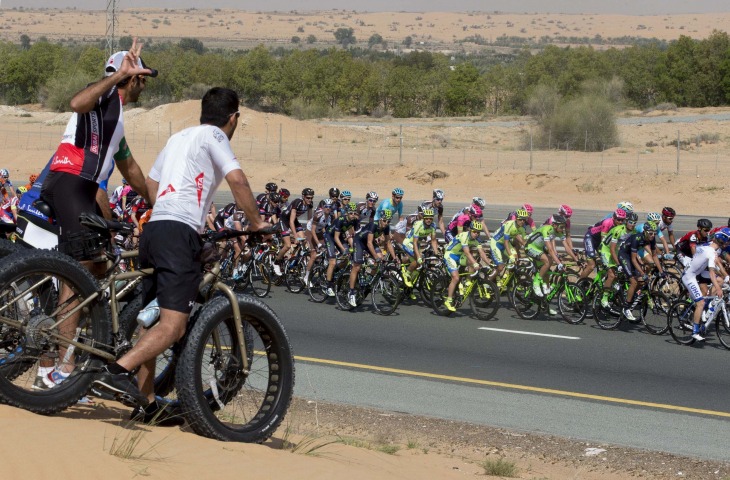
point(483, 147)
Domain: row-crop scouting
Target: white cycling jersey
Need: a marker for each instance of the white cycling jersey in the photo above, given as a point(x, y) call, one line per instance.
point(189, 170)
point(702, 261)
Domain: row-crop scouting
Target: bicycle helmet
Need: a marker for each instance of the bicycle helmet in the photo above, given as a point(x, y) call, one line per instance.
point(345, 194)
point(334, 192)
point(477, 226)
point(650, 227)
point(632, 217)
point(275, 197)
point(565, 210)
point(438, 194)
point(626, 206)
point(351, 208)
point(619, 214)
point(4, 172)
point(559, 220)
point(327, 203)
point(386, 215)
point(653, 217)
point(307, 192)
point(475, 211)
point(427, 213)
point(271, 187)
point(669, 212)
point(285, 194)
point(22, 189)
point(371, 196)
point(479, 201)
point(528, 207)
point(522, 214)
point(398, 192)
point(723, 236)
point(704, 223)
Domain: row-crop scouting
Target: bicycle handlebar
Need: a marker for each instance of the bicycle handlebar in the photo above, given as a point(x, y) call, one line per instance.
point(227, 234)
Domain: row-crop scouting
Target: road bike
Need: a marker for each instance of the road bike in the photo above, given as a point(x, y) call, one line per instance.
point(680, 319)
point(375, 279)
point(477, 288)
point(569, 296)
point(234, 368)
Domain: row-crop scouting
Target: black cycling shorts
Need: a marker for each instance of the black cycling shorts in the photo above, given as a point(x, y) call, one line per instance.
point(173, 249)
point(69, 196)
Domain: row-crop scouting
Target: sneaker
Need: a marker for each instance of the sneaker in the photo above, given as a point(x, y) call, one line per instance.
point(306, 278)
point(54, 378)
point(352, 300)
point(448, 303)
point(546, 289)
point(123, 385)
point(277, 269)
point(604, 302)
point(536, 287)
point(330, 292)
point(413, 296)
point(552, 311)
point(698, 337)
point(407, 277)
point(159, 413)
point(629, 316)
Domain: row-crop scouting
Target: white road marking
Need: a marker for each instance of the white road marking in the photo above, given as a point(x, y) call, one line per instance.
point(529, 333)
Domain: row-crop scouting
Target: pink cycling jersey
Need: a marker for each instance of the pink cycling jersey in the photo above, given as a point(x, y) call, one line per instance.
point(460, 221)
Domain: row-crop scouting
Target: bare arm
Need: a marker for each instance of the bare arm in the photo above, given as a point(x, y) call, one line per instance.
point(244, 198)
point(152, 187)
point(103, 201)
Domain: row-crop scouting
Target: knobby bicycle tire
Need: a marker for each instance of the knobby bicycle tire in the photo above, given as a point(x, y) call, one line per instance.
point(218, 399)
point(18, 273)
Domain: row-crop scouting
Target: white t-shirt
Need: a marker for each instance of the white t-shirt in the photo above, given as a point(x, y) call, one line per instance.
point(702, 261)
point(189, 170)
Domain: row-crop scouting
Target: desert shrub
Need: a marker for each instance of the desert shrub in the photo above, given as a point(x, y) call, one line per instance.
point(194, 91)
point(58, 91)
point(303, 110)
point(543, 102)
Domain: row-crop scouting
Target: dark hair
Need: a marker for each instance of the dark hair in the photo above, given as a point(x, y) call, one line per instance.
point(218, 105)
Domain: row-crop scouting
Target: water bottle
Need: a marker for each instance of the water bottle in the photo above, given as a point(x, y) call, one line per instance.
point(149, 315)
point(712, 308)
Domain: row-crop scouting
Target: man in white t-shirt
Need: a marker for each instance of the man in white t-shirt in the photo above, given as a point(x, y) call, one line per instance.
point(185, 176)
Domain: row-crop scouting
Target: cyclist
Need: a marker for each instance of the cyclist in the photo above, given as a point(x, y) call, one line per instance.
point(463, 222)
point(437, 204)
point(5, 182)
point(116, 198)
point(665, 225)
point(529, 222)
point(335, 197)
point(270, 188)
point(686, 246)
point(594, 235)
point(405, 224)
point(475, 202)
point(705, 261)
point(506, 241)
point(567, 212)
point(322, 219)
point(634, 266)
point(364, 240)
point(541, 248)
point(656, 218)
point(421, 230)
point(185, 176)
point(366, 209)
point(270, 209)
point(290, 224)
point(334, 235)
point(609, 253)
point(394, 204)
point(458, 253)
point(284, 194)
point(345, 198)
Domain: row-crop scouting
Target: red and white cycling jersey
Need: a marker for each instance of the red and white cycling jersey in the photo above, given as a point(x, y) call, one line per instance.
point(189, 170)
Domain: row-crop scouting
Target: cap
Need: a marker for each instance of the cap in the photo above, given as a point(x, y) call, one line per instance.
point(115, 61)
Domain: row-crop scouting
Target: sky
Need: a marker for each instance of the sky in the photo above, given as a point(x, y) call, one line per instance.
point(629, 7)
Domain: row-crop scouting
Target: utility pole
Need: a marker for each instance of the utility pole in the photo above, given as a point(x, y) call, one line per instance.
point(111, 23)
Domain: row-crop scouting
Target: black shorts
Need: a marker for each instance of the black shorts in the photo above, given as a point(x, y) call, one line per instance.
point(173, 249)
point(69, 196)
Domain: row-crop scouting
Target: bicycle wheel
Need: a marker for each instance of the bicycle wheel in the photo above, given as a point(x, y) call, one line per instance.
point(671, 286)
point(293, 276)
point(572, 303)
point(260, 276)
point(679, 322)
point(31, 283)
point(439, 291)
point(317, 288)
point(722, 327)
point(386, 294)
point(654, 310)
point(425, 283)
point(484, 299)
point(219, 398)
point(608, 318)
point(524, 301)
point(166, 361)
point(8, 248)
point(342, 289)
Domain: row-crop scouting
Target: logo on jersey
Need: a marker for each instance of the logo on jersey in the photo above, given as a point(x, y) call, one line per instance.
point(199, 185)
point(169, 189)
point(94, 147)
point(219, 136)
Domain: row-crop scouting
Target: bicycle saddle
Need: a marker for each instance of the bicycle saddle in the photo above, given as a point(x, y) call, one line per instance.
point(101, 225)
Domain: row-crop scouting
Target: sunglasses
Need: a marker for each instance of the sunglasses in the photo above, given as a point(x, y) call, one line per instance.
point(705, 230)
point(308, 198)
point(398, 197)
point(371, 200)
point(237, 114)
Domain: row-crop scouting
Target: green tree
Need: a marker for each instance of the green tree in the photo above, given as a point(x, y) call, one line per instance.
point(192, 44)
point(24, 42)
point(463, 96)
point(125, 43)
point(311, 39)
point(375, 39)
point(408, 41)
point(345, 37)
point(296, 40)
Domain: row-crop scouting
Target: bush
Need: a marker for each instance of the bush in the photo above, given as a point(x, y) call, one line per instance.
point(195, 91)
point(302, 110)
point(59, 90)
point(585, 123)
